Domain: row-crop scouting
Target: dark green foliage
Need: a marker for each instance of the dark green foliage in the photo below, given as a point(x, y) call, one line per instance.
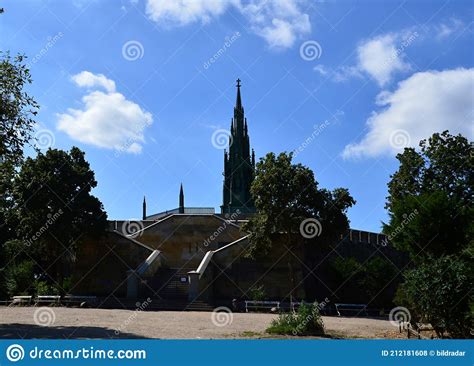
point(17, 108)
point(430, 199)
point(19, 278)
point(257, 293)
point(306, 321)
point(285, 194)
point(366, 282)
point(432, 218)
point(54, 210)
point(439, 292)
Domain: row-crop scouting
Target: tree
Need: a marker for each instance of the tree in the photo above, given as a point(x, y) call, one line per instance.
point(17, 112)
point(430, 198)
point(54, 208)
point(431, 214)
point(285, 195)
point(17, 108)
point(439, 292)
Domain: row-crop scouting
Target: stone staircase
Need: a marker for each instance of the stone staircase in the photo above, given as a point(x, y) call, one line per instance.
point(167, 292)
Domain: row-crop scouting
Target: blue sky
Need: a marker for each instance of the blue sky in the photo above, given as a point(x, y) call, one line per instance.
point(142, 86)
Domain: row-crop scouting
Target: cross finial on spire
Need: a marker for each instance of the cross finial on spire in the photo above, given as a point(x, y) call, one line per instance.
point(238, 102)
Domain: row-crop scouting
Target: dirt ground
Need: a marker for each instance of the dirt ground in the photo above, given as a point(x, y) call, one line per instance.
point(64, 323)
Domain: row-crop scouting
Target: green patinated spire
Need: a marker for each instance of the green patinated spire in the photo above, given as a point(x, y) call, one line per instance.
point(239, 164)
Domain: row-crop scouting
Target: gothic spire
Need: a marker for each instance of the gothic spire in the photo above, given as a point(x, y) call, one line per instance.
point(238, 102)
point(181, 200)
point(144, 208)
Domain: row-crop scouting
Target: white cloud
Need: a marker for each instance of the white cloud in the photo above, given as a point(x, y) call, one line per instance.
point(182, 12)
point(90, 80)
point(381, 57)
point(107, 119)
point(280, 22)
point(446, 29)
point(426, 102)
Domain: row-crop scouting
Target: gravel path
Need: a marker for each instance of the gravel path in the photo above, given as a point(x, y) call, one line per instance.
point(24, 322)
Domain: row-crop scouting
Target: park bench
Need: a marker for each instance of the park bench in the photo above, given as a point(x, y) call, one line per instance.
point(252, 304)
point(76, 300)
point(21, 300)
point(48, 299)
point(294, 305)
point(351, 308)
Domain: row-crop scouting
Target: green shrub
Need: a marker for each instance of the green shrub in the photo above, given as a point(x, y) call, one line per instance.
point(44, 288)
point(19, 278)
point(257, 293)
point(439, 292)
point(306, 321)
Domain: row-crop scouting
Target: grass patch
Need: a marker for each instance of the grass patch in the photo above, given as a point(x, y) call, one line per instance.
point(249, 333)
point(306, 321)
